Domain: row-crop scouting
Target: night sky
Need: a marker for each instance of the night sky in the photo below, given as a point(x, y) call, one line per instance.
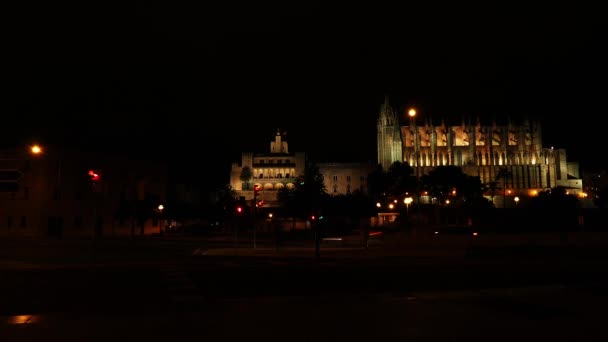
point(202, 82)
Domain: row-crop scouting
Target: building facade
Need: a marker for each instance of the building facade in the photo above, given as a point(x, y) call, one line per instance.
point(345, 178)
point(481, 149)
point(271, 171)
point(52, 193)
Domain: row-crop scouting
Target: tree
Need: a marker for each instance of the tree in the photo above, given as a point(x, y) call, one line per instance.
point(246, 176)
point(400, 179)
point(226, 199)
point(442, 180)
point(310, 191)
point(503, 174)
point(377, 183)
point(493, 188)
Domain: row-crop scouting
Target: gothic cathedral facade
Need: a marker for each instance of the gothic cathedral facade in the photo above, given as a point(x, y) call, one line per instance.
point(480, 149)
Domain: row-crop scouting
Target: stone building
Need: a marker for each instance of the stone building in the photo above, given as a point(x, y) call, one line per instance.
point(51, 193)
point(271, 171)
point(279, 168)
point(480, 148)
point(345, 178)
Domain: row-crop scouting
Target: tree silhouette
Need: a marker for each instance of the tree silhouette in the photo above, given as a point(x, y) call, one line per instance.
point(493, 187)
point(503, 174)
point(246, 176)
point(400, 179)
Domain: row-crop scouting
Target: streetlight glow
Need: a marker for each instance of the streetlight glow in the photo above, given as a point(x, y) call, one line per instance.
point(36, 149)
point(411, 112)
point(161, 207)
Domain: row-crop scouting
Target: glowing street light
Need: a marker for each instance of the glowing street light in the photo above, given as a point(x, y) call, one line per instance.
point(407, 201)
point(36, 149)
point(516, 199)
point(160, 219)
point(411, 113)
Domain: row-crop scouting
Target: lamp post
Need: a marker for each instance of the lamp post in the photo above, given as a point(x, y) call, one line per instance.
point(36, 150)
point(412, 115)
point(516, 199)
point(407, 201)
point(160, 219)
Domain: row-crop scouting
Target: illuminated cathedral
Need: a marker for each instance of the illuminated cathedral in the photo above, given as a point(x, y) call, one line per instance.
point(479, 148)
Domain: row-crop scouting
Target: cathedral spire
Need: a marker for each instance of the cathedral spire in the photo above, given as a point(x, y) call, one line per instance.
point(389, 136)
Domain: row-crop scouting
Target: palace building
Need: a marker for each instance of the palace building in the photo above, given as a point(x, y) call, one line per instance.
point(480, 148)
point(270, 171)
point(279, 168)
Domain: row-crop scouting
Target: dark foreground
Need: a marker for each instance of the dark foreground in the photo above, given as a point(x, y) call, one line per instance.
point(417, 289)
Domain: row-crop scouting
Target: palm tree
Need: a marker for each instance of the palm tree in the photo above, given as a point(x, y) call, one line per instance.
point(503, 174)
point(246, 175)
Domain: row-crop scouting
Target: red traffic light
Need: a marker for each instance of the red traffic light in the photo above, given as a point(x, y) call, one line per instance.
point(313, 217)
point(261, 203)
point(94, 175)
point(256, 189)
point(239, 209)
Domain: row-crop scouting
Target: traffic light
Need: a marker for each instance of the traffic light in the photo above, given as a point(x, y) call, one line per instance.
point(95, 178)
point(239, 209)
point(260, 203)
point(313, 218)
point(94, 175)
point(256, 190)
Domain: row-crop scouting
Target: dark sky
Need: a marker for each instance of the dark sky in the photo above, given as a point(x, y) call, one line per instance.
point(207, 81)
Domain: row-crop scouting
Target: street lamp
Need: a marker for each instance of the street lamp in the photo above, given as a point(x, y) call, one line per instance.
point(407, 201)
point(36, 149)
point(516, 199)
point(160, 219)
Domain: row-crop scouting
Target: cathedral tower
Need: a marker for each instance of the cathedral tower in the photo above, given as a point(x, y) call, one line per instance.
point(390, 144)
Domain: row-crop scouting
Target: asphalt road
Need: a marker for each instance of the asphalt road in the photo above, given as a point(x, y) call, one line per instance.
point(161, 290)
